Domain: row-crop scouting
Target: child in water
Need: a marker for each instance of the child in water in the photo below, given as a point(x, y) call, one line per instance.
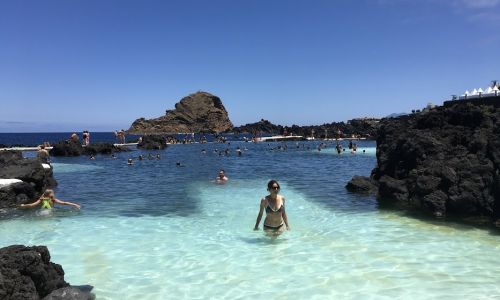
point(47, 201)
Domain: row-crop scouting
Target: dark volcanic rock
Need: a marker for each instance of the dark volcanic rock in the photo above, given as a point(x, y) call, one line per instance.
point(446, 161)
point(152, 142)
point(27, 273)
point(198, 112)
point(35, 178)
point(362, 184)
point(16, 194)
point(365, 127)
point(103, 148)
point(66, 148)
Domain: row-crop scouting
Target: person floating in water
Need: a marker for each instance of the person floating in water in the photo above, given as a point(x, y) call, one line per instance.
point(47, 201)
point(130, 162)
point(274, 204)
point(222, 176)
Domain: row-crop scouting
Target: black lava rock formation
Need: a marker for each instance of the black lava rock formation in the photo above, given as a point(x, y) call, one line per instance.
point(445, 161)
point(35, 179)
point(26, 273)
point(152, 142)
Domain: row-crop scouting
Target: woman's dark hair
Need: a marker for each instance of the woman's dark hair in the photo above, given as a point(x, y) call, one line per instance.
point(271, 182)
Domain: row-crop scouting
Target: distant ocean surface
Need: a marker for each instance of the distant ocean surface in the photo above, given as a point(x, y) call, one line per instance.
point(37, 138)
point(156, 231)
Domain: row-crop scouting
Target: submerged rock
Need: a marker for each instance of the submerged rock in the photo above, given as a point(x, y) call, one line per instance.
point(446, 161)
point(198, 112)
point(362, 184)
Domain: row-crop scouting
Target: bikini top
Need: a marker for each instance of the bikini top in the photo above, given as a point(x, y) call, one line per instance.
point(46, 203)
point(269, 209)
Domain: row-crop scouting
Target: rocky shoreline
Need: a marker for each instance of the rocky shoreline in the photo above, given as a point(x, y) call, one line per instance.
point(27, 273)
point(443, 162)
point(31, 179)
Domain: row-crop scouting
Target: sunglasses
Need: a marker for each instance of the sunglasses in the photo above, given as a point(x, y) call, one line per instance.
point(275, 188)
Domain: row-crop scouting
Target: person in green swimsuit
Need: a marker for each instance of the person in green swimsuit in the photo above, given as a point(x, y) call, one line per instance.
point(47, 201)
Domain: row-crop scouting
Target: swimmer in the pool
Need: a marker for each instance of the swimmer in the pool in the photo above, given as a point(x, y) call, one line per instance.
point(47, 201)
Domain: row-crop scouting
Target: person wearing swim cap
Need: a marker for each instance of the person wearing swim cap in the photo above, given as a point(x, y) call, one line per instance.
point(274, 204)
point(47, 201)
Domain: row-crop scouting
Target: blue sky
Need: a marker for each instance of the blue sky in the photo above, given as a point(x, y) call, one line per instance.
point(99, 65)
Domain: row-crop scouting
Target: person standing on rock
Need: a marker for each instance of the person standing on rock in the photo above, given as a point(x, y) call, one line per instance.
point(47, 201)
point(43, 155)
point(122, 136)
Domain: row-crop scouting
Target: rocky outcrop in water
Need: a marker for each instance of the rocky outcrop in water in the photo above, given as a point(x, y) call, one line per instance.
point(27, 273)
point(35, 178)
point(364, 127)
point(66, 148)
point(152, 142)
point(200, 112)
point(446, 161)
point(103, 148)
point(74, 148)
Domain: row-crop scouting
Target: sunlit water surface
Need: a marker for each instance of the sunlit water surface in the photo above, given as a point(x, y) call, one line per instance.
point(156, 231)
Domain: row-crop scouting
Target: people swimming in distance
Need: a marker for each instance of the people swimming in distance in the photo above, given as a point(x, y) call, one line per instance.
point(113, 156)
point(276, 220)
point(140, 157)
point(47, 201)
point(203, 151)
point(178, 164)
point(338, 148)
point(158, 156)
point(221, 178)
point(238, 151)
point(130, 162)
point(92, 157)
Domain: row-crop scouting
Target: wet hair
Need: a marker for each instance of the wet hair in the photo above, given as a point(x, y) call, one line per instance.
point(48, 193)
point(271, 183)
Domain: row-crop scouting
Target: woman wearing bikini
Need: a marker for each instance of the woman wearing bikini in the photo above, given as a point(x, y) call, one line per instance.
point(47, 201)
point(276, 219)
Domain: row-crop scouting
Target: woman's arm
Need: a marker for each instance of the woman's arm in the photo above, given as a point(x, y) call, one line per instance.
point(285, 217)
point(261, 211)
point(66, 203)
point(31, 204)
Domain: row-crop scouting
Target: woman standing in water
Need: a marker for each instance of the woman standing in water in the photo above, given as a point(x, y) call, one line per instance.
point(274, 205)
point(47, 201)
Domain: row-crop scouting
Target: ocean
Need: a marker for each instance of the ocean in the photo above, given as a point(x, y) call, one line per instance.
point(154, 230)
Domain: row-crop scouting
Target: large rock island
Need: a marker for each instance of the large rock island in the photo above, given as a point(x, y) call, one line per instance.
point(198, 112)
point(445, 161)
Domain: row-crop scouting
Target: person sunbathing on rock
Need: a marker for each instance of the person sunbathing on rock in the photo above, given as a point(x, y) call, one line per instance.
point(47, 201)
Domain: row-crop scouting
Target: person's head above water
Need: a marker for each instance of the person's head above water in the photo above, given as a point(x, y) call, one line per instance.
point(273, 186)
point(48, 193)
point(222, 175)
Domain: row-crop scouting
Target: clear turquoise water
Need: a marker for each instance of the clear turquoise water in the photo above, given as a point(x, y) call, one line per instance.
point(157, 231)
